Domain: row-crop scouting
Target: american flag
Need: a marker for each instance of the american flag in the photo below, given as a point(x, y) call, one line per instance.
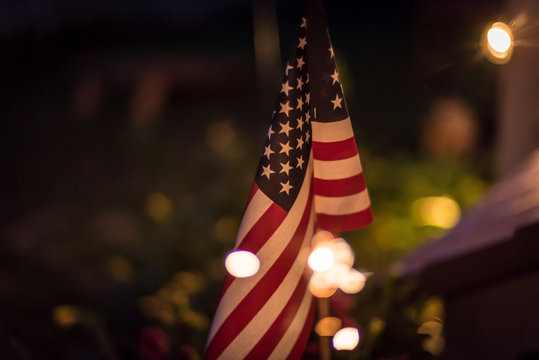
point(309, 176)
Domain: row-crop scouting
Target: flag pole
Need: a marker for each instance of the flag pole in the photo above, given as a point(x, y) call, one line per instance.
point(324, 341)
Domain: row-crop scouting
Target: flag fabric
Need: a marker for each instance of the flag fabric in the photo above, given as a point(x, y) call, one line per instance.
point(309, 176)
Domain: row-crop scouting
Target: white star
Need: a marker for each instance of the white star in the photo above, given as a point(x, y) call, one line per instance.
point(300, 123)
point(307, 117)
point(300, 103)
point(285, 87)
point(300, 142)
point(285, 108)
point(270, 131)
point(285, 148)
point(331, 52)
point(286, 187)
point(337, 102)
point(300, 62)
point(285, 168)
point(300, 83)
point(300, 162)
point(266, 171)
point(288, 67)
point(335, 77)
point(307, 98)
point(307, 136)
point(268, 151)
point(302, 43)
point(303, 22)
point(285, 128)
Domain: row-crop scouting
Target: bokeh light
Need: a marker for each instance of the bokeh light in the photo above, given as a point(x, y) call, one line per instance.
point(497, 43)
point(353, 282)
point(346, 339)
point(328, 326)
point(440, 211)
point(499, 39)
point(65, 315)
point(158, 207)
point(242, 264)
point(321, 259)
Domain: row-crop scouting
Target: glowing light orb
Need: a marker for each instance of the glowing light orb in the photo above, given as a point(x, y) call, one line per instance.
point(346, 339)
point(328, 326)
point(242, 264)
point(321, 259)
point(353, 282)
point(497, 43)
point(440, 211)
point(499, 39)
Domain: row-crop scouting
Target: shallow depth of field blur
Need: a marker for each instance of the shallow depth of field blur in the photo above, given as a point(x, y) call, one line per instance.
point(131, 132)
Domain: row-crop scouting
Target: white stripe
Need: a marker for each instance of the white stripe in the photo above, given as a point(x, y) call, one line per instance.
point(342, 205)
point(337, 169)
point(267, 255)
point(256, 208)
point(332, 131)
point(261, 322)
point(284, 347)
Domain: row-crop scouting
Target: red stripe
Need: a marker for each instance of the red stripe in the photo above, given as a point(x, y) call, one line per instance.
point(338, 223)
point(336, 150)
point(259, 233)
point(274, 334)
point(299, 347)
point(249, 306)
point(340, 187)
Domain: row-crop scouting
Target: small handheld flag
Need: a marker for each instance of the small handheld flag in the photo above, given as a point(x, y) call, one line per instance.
point(309, 176)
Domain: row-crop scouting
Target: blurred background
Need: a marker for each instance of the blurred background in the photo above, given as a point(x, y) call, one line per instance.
point(131, 131)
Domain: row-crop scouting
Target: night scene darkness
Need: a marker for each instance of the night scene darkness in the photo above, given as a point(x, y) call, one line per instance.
point(144, 141)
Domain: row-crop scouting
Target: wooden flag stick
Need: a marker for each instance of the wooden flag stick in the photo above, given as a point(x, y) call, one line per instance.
point(323, 311)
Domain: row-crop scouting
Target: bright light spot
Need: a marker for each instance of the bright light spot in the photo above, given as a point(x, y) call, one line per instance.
point(497, 43)
point(65, 315)
point(328, 326)
point(320, 286)
point(321, 291)
point(342, 252)
point(353, 282)
point(321, 236)
point(158, 207)
point(346, 339)
point(499, 39)
point(321, 259)
point(242, 264)
point(440, 211)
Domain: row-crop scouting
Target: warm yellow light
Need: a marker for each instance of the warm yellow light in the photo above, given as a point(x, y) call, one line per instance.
point(158, 206)
point(497, 43)
point(328, 326)
point(322, 236)
point(242, 264)
point(321, 291)
point(353, 282)
point(499, 39)
point(342, 252)
point(440, 211)
point(65, 315)
point(321, 259)
point(320, 286)
point(346, 339)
